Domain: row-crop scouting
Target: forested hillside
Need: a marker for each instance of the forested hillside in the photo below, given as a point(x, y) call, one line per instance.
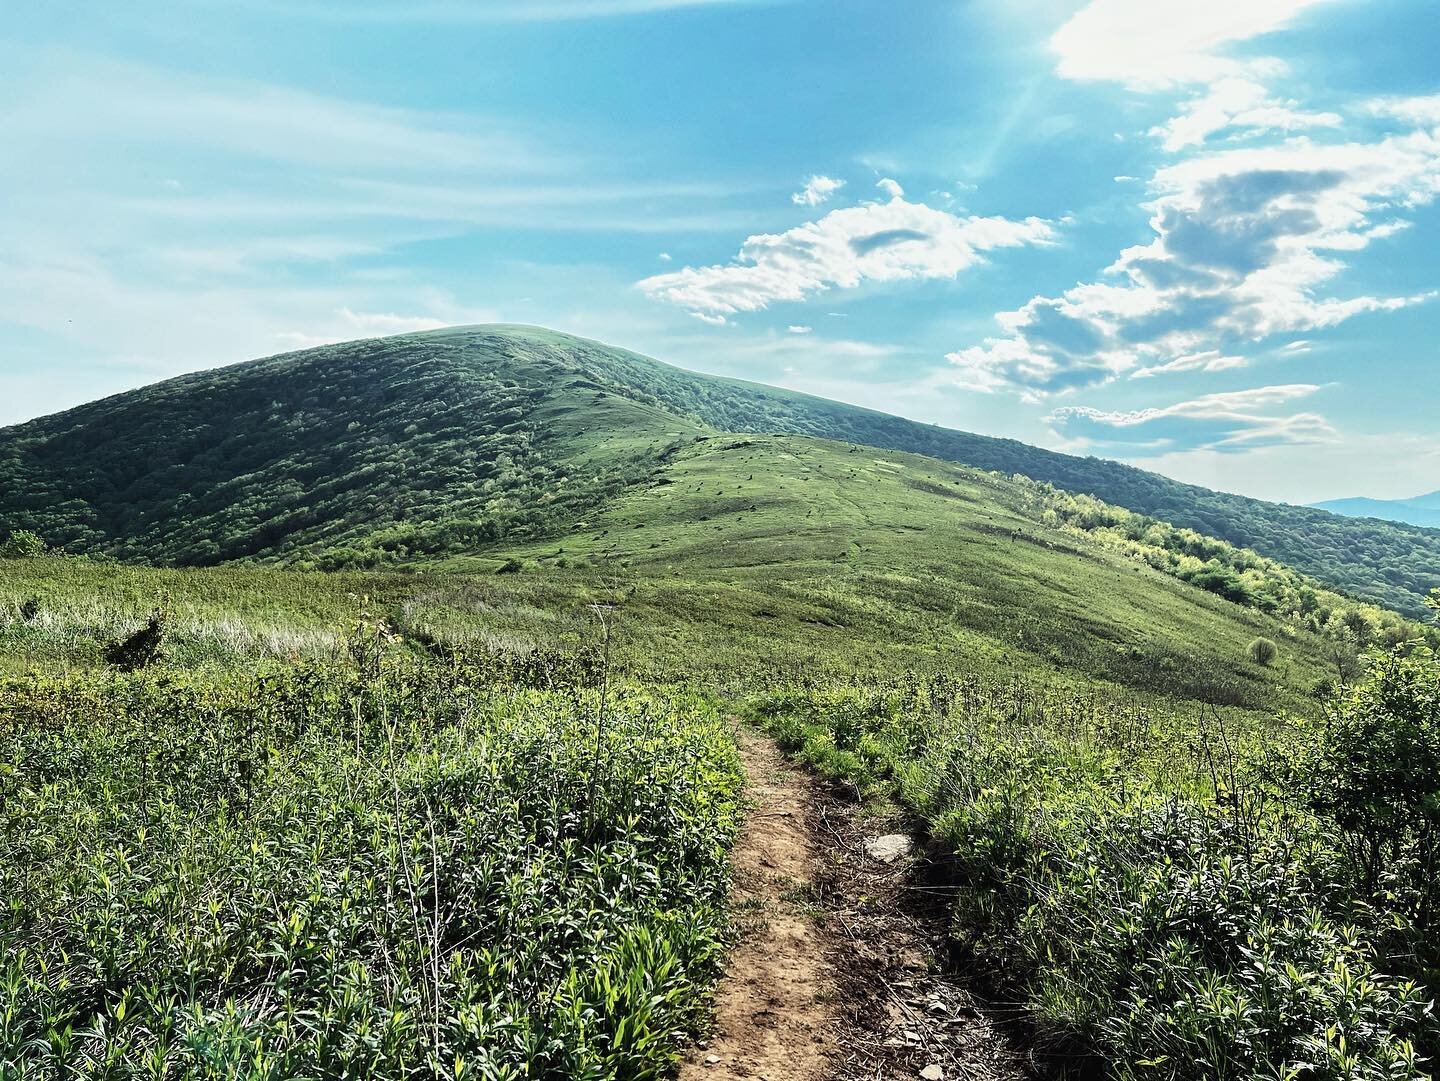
point(423, 443)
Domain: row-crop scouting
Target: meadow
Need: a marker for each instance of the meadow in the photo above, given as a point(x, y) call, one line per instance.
point(467, 814)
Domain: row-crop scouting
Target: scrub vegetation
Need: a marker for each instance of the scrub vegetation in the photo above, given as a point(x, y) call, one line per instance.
point(432, 771)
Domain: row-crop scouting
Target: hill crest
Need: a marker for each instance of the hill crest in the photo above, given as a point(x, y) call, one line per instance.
point(506, 430)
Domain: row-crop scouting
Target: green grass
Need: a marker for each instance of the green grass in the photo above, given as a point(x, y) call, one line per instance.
point(386, 451)
point(741, 554)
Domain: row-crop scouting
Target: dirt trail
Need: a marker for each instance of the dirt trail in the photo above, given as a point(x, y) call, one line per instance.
point(776, 1012)
point(840, 971)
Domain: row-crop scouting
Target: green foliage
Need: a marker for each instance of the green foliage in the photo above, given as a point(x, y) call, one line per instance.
point(344, 457)
point(140, 649)
point(385, 452)
point(1136, 880)
point(1375, 773)
point(1237, 574)
point(22, 544)
point(1262, 651)
point(315, 872)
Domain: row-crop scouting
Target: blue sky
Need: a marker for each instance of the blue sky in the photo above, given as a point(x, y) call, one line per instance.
point(1203, 238)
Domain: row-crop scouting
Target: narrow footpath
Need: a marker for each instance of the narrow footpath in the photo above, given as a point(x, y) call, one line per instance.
point(840, 969)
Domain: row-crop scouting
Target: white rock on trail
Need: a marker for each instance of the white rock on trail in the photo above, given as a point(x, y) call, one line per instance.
point(933, 1073)
point(889, 848)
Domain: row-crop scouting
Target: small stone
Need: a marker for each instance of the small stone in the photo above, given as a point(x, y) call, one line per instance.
point(933, 1072)
point(889, 848)
point(711, 1060)
point(912, 1036)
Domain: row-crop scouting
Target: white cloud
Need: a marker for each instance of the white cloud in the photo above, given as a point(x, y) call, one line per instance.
point(799, 329)
point(817, 190)
point(1148, 44)
point(873, 242)
point(1243, 242)
point(1237, 104)
point(1210, 361)
point(1419, 111)
point(891, 188)
point(1228, 422)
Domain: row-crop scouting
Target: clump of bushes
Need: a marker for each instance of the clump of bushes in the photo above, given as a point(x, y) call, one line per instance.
point(408, 871)
point(1220, 914)
point(140, 649)
point(22, 544)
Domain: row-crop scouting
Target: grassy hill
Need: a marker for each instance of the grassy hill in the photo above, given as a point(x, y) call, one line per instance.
point(454, 638)
point(739, 554)
point(426, 444)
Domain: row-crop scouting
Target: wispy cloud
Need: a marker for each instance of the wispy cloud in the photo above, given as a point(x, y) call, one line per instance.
point(1230, 422)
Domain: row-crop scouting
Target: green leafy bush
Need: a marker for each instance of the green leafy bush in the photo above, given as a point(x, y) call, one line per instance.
point(1135, 880)
point(22, 544)
point(1375, 773)
point(313, 873)
point(1262, 651)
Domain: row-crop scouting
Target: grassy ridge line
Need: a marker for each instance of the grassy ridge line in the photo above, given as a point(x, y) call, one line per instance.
point(395, 870)
point(414, 447)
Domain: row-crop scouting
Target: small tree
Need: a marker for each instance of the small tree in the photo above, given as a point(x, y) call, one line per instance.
point(1262, 651)
point(22, 544)
point(1376, 775)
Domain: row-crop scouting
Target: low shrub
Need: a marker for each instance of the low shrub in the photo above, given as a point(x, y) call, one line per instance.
point(1262, 651)
point(419, 872)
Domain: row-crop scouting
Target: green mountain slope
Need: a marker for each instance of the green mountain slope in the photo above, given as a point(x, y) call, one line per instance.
point(428, 443)
point(739, 555)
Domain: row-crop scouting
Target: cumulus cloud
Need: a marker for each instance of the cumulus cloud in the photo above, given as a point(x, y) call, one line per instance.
point(873, 242)
point(1231, 422)
point(1243, 242)
point(890, 188)
point(817, 190)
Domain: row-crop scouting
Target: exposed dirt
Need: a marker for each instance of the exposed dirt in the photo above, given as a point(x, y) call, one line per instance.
point(776, 1009)
point(841, 968)
point(906, 1013)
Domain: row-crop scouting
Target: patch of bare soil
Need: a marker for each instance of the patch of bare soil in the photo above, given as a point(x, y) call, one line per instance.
point(906, 1013)
point(840, 971)
point(776, 1009)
